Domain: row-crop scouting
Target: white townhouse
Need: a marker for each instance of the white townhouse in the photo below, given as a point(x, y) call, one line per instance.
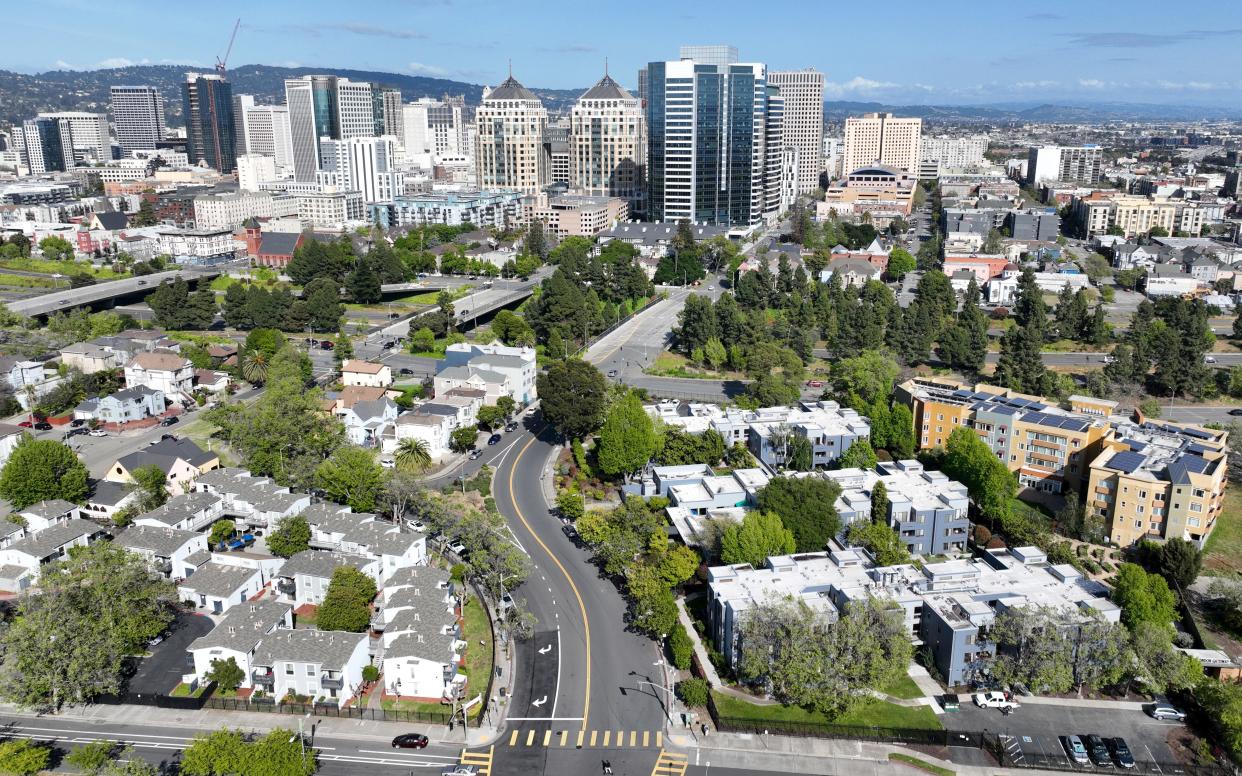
point(238, 635)
point(48, 513)
point(192, 511)
point(166, 549)
point(167, 372)
point(366, 373)
point(304, 577)
point(10, 437)
point(422, 644)
point(217, 587)
point(516, 364)
point(325, 666)
point(53, 543)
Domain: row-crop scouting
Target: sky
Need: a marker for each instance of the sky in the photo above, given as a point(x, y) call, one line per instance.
point(948, 52)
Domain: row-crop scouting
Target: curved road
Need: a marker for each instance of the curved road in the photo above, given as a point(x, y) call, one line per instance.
point(579, 676)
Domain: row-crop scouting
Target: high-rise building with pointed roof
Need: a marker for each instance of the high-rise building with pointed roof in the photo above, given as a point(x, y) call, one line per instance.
point(608, 144)
point(510, 150)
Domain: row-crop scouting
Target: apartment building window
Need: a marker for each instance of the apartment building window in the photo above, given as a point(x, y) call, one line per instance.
point(940, 417)
point(1194, 522)
point(1142, 494)
point(1139, 509)
point(1196, 507)
point(1138, 523)
point(1200, 493)
point(288, 669)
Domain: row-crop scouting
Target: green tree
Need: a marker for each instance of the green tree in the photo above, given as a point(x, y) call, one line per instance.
point(693, 692)
point(221, 531)
point(22, 757)
point(1143, 597)
point(715, 352)
point(880, 540)
point(227, 675)
point(347, 604)
point(323, 304)
point(627, 440)
point(227, 752)
point(56, 248)
point(351, 476)
point(680, 647)
point(363, 284)
point(236, 309)
point(879, 503)
point(1179, 562)
point(758, 537)
point(491, 417)
point(422, 341)
point(91, 757)
point(462, 440)
point(860, 455)
point(970, 461)
point(291, 535)
point(900, 262)
point(964, 344)
point(1163, 668)
point(573, 395)
point(806, 506)
point(535, 242)
point(42, 469)
point(569, 504)
point(152, 485)
point(412, 455)
point(861, 380)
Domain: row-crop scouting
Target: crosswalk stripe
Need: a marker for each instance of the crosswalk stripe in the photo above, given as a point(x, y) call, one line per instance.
point(530, 738)
point(633, 738)
point(547, 737)
point(513, 738)
point(620, 738)
point(581, 735)
point(646, 738)
point(659, 739)
point(564, 737)
point(593, 734)
point(607, 737)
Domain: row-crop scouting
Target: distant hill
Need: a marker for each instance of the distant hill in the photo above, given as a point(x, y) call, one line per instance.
point(1037, 112)
point(23, 95)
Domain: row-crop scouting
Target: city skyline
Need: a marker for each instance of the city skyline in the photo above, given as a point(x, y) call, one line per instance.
point(1061, 52)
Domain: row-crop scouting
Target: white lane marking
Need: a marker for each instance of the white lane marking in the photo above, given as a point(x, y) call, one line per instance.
point(557, 697)
point(544, 719)
point(453, 758)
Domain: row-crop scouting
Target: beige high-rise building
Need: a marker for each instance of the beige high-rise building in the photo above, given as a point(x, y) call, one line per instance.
point(803, 92)
point(884, 139)
point(608, 144)
point(510, 150)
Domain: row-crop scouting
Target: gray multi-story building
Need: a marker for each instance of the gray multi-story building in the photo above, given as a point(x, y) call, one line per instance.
point(207, 105)
point(948, 607)
point(967, 220)
point(325, 106)
point(138, 114)
point(1033, 224)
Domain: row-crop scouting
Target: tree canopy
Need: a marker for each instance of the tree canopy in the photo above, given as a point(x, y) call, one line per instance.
point(806, 506)
point(573, 395)
point(40, 470)
point(755, 539)
point(347, 604)
point(627, 440)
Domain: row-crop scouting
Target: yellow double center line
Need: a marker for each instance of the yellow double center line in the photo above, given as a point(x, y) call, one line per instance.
point(586, 626)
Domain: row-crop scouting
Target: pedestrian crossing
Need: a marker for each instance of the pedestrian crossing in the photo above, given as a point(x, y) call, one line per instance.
point(587, 739)
point(482, 761)
point(670, 764)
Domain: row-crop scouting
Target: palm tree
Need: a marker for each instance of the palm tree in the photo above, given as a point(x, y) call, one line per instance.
point(254, 366)
point(412, 455)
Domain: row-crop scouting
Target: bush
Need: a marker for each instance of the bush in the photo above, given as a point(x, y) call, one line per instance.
point(1081, 550)
point(680, 647)
point(982, 535)
point(1091, 566)
point(693, 692)
point(370, 673)
point(1000, 313)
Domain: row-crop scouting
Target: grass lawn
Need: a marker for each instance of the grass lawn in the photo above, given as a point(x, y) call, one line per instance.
point(51, 267)
point(475, 629)
point(200, 432)
point(903, 687)
point(1224, 547)
point(922, 765)
point(182, 690)
point(872, 714)
point(669, 364)
point(26, 281)
point(390, 704)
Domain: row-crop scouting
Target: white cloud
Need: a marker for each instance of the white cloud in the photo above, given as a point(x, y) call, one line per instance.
point(857, 85)
point(1091, 83)
point(419, 68)
point(1045, 84)
point(111, 62)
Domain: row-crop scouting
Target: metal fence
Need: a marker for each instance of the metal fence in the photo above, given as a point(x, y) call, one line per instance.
point(330, 710)
point(158, 700)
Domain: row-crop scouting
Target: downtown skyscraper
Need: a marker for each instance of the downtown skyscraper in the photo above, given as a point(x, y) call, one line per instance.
point(608, 144)
point(207, 104)
point(138, 114)
point(325, 106)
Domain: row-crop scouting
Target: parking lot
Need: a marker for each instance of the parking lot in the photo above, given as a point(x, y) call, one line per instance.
point(159, 672)
point(1032, 732)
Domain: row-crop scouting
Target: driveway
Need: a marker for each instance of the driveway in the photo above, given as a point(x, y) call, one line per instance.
point(1033, 731)
point(161, 671)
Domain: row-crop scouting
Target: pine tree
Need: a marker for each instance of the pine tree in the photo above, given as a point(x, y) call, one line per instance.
point(364, 284)
point(236, 313)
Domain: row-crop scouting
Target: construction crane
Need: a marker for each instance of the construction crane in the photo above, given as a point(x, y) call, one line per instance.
point(222, 63)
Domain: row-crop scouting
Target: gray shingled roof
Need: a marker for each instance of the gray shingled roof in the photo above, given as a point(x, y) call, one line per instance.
point(244, 626)
point(606, 89)
point(198, 558)
point(428, 644)
point(183, 507)
point(313, 563)
point(108, 493)
point(511, 90)
point(47, 541)
point(381, 539)
point(161, 541)
point(49, 510)
point(279, 243)
point(425, 577)
point(165, 454)
point(218, 580)
point(330, 649)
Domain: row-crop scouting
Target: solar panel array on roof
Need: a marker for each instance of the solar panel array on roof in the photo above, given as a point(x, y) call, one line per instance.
point(1196, 448)
point(1056, 421)
point(1127, 462)
point(1196, 433)
point(1195, 463)
point(1134, 444)
point(962, 393)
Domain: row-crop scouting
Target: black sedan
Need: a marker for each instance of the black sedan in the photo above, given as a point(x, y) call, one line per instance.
point(1121, 752)
point(493, 439)
point(1236, 411)
point(410, 741)
point(1097, 751)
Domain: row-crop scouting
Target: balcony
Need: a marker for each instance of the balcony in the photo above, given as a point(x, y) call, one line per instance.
point(263, 676)
point(287, 586)
point(329, 682)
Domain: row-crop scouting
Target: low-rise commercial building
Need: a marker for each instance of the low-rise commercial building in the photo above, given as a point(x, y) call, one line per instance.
point(499, 209)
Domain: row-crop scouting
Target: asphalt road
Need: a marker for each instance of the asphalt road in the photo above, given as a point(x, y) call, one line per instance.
point(584, 673)
point(161, 745)
point(67, 298)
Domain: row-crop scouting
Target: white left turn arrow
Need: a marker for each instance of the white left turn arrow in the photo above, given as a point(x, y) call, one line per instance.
point(546, 650)
point(539, 702)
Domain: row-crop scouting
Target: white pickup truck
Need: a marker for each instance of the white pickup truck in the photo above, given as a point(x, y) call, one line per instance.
point(995, 700)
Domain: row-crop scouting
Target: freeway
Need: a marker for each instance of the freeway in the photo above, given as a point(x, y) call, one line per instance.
point(68, 298)
point(161, 744)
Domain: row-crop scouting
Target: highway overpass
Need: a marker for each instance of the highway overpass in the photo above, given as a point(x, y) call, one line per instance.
point(104, 294)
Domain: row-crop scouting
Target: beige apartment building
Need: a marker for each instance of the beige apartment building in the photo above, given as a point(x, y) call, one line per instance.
point(884, 139)
point(1159, 480)
point(803, 93)
point(1136, 215)
point(510, 150)
point(574, 215)
point(608, 144)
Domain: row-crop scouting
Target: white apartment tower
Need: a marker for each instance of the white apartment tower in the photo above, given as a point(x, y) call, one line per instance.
point(608, 144)
point(138, 114)
point(510, 150)
point(264, 130)
point(884, 139)
point(325, 106)
point(436, 127)
point(363, 164)
point(803, 93)
point(88, 133)
point(1077, 164)
point(955, 152)
point(253, 169)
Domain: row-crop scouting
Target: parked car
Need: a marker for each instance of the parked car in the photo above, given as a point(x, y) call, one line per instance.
point(459, 770)
point(42, 425)
point(167, 436)
point(26, 424)
point(410, 741)
point(76, 422)
point(1162, 710)
point(996, 700)
point(1121, 752)
point(327, 345)
point(1236, 411)
point(951, 702)
point(388, 463)
point(493, 439)
point(814, 383)
point(1209, 359)
point(458, 548)
point(612, 373)
point(475, 453)
point(1098, 752)
point(405, 370)
point(74, 432)
point(98, 432)
point(394, 315)
point(169, 421)
point(1074, 749)
point(389, 345)
point(506, 603)
point(511, 426)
